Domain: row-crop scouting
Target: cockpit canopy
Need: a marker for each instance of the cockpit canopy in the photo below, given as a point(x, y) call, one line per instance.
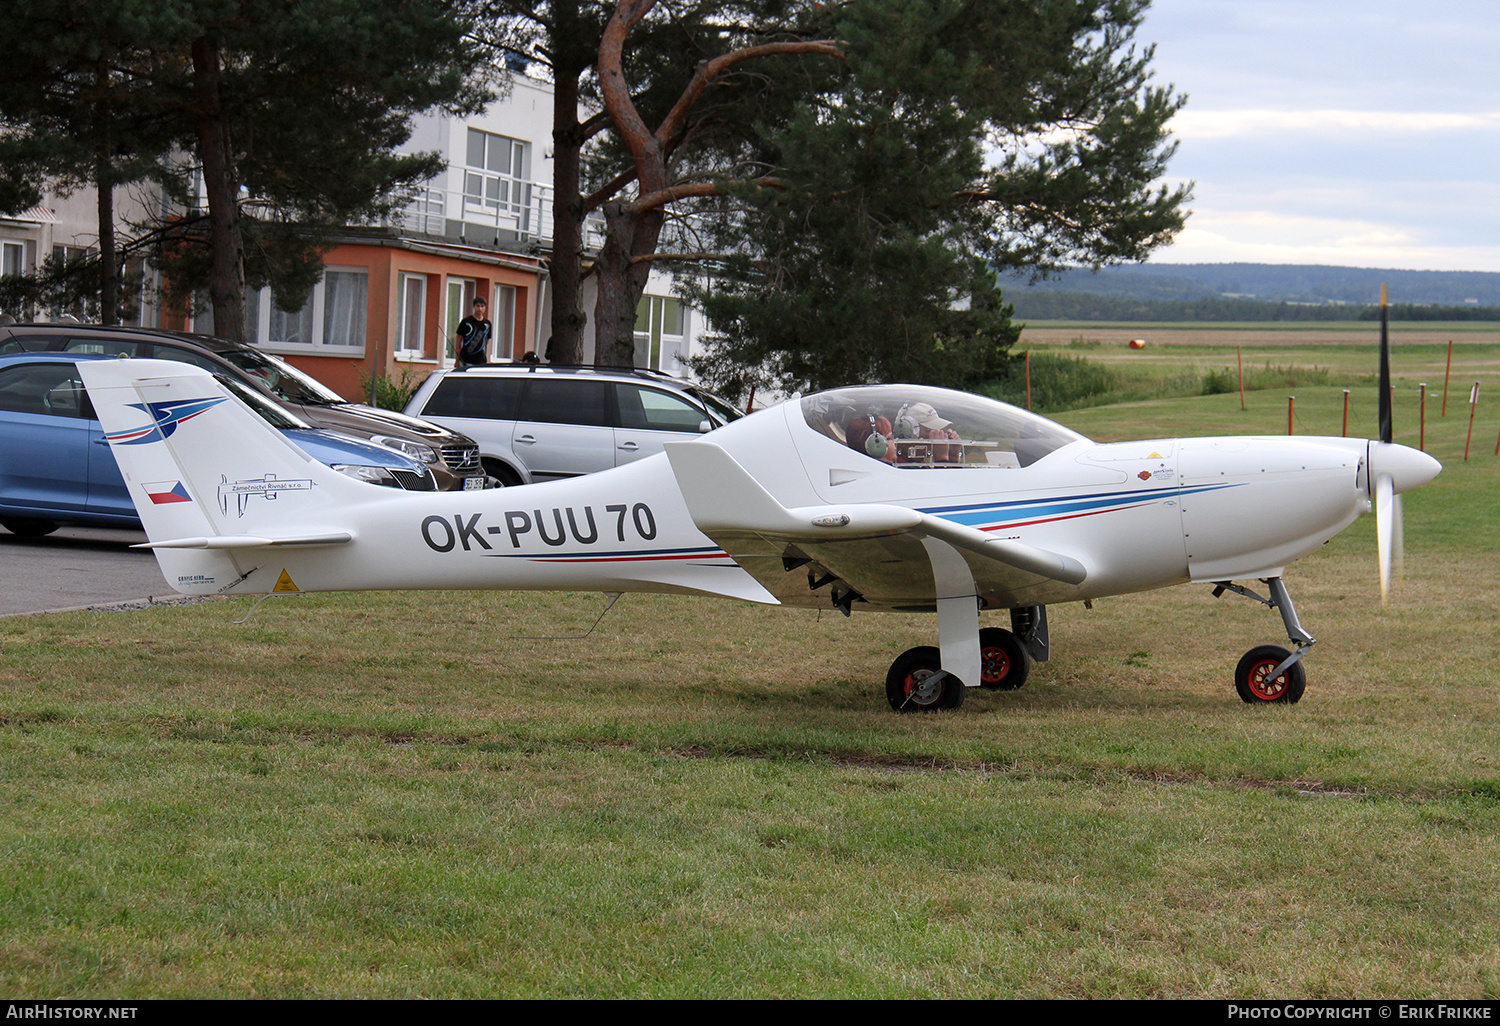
point(916, 426)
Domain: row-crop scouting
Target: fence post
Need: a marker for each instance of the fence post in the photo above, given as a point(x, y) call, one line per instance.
point(1473, 405)
point(1239, 356)
point(1446, 373)
point(1422, 419)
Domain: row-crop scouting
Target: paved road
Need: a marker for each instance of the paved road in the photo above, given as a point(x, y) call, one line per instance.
point(76, 566)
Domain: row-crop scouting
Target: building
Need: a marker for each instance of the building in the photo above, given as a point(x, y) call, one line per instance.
point(392, 295)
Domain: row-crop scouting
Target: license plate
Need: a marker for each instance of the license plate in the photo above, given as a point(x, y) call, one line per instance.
point(473, 484)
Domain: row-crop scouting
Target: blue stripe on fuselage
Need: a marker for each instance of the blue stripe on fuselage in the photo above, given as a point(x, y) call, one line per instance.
point(988, 513)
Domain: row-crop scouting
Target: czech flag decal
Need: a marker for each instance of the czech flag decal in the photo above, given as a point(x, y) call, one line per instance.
point(162, 492)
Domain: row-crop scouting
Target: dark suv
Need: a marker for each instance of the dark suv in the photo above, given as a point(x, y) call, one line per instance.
point(452, 457)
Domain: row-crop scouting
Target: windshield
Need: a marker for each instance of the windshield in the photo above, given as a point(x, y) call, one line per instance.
point(269, 411)
point(284, 380)
point(718, 407)
point(915, 427)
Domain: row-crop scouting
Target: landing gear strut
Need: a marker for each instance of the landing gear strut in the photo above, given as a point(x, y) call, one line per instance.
point(1270, 673)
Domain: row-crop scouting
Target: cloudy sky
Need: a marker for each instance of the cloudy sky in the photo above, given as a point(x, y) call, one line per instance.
point(1364, 133)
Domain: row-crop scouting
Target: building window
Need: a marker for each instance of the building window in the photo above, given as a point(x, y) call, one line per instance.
point(13, 262)
point(411, 316)
point(503, 315)
point(84, 311)
point(497, 186)
point(661, 334)
point(346, 304)
point(461, 293)
point(12, 257)
point(291, 327)
point(331, 322)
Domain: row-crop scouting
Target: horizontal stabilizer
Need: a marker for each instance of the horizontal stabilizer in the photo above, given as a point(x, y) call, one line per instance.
point(723, 498)
point(245, 541)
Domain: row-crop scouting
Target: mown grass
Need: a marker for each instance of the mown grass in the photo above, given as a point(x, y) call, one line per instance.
point(418, 795)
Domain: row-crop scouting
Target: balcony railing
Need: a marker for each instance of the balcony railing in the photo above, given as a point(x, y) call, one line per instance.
point(520, 214)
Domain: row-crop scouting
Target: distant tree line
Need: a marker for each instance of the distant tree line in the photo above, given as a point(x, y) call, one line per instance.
point(1083, 306)
point(1268, 283)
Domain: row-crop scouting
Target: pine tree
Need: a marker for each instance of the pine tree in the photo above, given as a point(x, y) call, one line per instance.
point(294, 109)
point(855, 173)
point(561, 39)
point(289, 112)
point(72, 88)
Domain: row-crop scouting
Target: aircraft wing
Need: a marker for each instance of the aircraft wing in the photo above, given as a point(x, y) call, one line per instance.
point(881, 556)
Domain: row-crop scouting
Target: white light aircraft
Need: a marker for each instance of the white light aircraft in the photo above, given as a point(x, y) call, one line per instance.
point(883, 498)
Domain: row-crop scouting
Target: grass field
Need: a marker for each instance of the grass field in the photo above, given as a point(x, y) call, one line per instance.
point(421, 795)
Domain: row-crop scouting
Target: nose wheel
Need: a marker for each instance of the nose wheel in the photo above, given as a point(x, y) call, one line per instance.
point(1270, 673)
point(1256, 680)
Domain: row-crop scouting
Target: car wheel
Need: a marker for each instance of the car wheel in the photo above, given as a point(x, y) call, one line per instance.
point(507, 477)
point(29, 528)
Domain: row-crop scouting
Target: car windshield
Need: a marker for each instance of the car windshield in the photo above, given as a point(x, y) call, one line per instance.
point(275, 415)
point(915, 427)
point(284, 380)
point(718, 407)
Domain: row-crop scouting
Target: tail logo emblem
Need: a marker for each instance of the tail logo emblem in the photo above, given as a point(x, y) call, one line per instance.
point(164, 419)
point(268, 487)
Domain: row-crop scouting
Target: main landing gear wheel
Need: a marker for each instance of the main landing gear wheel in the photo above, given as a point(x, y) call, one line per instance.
point(1252, 678)
point(1003, 663)
point(916, 683)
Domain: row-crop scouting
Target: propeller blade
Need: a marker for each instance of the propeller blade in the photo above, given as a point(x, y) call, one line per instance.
point(1398, 540)
point(1385, 370)
point(1385, 514)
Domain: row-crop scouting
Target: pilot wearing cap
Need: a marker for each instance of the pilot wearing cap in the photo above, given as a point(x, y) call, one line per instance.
point(921, 421)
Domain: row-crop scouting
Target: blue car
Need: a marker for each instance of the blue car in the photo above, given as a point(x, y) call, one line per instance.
point(56, 468)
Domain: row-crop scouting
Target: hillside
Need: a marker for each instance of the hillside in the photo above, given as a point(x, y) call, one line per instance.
point(1242, 291)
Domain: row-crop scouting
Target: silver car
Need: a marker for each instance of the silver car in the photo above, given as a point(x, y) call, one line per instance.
point(539, 423)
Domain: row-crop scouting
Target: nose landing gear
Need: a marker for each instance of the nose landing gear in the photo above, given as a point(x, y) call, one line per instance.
point(1270, 673)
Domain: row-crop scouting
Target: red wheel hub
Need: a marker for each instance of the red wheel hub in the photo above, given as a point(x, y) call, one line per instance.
point(1262, 685)
point(994, 665)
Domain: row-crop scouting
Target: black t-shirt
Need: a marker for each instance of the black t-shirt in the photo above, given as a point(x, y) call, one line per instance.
point(474, 338)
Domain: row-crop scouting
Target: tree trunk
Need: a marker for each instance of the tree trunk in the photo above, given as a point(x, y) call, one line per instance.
point(568, 319)
point(109, 260)
point(226, 289)
point(109, 263)
point(622, 280)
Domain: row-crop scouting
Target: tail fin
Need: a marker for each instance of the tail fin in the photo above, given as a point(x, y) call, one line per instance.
point(207, 475)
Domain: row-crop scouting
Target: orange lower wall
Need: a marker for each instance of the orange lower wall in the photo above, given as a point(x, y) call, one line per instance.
point(386, 264)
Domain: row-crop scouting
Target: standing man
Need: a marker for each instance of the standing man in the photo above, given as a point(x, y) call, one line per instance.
point(474, 337)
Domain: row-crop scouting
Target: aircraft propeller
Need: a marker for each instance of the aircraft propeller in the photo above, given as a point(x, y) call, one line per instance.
point(1392, 470)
